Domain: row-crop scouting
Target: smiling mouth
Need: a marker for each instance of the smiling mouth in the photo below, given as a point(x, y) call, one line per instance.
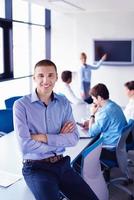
point(46, 86)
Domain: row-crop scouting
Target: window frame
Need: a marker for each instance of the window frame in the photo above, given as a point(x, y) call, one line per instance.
point(7, 25)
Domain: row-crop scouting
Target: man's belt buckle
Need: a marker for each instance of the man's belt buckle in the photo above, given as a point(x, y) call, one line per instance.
point(53, 159)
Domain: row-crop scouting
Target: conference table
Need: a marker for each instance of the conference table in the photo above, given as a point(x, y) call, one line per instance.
point(11, 161)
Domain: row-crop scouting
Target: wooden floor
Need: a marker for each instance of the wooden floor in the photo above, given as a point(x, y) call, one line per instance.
point(117, 194)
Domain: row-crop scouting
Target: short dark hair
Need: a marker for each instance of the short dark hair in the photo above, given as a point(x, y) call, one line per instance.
point(129, 85)
point(66, 75)
point(45, 62)
point(100, 90)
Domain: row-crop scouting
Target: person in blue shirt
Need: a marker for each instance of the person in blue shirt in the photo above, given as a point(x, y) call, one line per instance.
point(106, 117)
point(85, 74)
point(45, 126)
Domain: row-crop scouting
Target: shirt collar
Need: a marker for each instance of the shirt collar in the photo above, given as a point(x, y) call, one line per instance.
point(34, 97)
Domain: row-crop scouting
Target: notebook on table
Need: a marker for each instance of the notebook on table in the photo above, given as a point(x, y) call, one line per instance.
point(83, 133)
point(7, 179)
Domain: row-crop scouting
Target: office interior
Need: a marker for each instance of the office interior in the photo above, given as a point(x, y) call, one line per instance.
point(60, 31)
point(73, 30)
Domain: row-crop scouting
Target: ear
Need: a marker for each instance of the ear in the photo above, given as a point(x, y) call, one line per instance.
point(57, 77)
point(33, 77)
point(99, 98)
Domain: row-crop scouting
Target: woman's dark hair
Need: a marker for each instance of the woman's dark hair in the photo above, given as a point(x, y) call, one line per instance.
point(66, 75)
point(129, 85)
point(100, 90)
point(45, 63)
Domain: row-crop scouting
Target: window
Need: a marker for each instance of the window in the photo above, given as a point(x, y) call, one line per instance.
point(2, 8)
point(20, 10)
point(20, 50)
point(1, 52)
point(38, 44)
point(22, 37)
point(37, 14)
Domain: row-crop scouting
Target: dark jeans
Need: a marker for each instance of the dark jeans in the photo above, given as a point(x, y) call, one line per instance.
point(46, 179)
point(107, 154)
point(86, 87)
point(89, 100)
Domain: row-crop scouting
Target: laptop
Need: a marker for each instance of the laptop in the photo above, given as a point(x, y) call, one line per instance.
point(83, 133)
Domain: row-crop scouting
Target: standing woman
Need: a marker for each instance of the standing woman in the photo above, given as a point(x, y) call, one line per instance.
point(129, 109)
point(85, 74)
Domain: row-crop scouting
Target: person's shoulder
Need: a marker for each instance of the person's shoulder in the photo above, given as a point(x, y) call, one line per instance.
point(23, 100)
point(115, 103)
point(131, 102)
point(108, 107)
point(88, 65)
point(61, 98)
point(115, 107)
point(25, 97)
point(111, 104)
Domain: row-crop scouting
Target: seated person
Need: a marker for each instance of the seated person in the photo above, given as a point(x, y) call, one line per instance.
point(129, 109)
point(66, 77)
point(106, 117)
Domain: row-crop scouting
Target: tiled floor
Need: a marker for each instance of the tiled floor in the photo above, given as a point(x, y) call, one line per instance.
point(117, 194)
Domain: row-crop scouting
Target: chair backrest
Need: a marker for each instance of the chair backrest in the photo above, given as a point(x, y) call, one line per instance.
point(91, 169)
point(10, 101)
point(121, 152)
point(6, 120)
point(132, 122)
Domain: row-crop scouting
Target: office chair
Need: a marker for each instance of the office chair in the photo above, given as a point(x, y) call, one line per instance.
point(130, 142)
point(63, 197)
point(120, 162)
point(10, 101)
point(6, 121)
point(90, 169)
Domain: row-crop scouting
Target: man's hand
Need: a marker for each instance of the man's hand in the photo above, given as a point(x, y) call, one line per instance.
point(39, 137)
point(94, 108)
point(83, 96)
point(104, 57)
point(86, 125)
point(68, 127)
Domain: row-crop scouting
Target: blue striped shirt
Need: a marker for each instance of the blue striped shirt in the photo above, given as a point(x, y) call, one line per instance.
point(31, 116)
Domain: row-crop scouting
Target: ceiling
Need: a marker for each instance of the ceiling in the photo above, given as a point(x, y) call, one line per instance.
point(76, 6)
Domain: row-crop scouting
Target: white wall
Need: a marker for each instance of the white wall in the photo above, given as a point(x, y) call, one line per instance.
point(73, 34)
point(63, 43)
point(63, 40)
point(16, 87)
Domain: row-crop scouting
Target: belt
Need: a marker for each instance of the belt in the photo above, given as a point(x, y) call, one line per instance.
point(52, 159)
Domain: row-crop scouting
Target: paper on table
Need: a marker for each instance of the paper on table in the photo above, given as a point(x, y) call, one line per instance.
point(83, 133)
point(7, 179)
point(2, 133)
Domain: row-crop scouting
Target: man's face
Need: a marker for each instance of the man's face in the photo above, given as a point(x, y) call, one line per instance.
point(97, 101)
point(45, 78)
